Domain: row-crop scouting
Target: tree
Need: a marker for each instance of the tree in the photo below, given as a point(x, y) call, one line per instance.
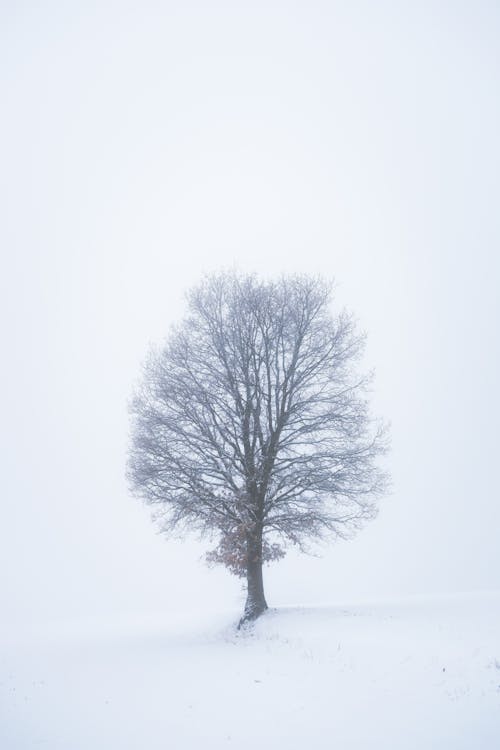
point(251, 424)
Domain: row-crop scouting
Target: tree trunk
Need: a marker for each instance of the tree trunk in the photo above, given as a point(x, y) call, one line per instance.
point(256, 601)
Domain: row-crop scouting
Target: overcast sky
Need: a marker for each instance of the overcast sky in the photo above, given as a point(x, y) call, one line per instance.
point(145, 143)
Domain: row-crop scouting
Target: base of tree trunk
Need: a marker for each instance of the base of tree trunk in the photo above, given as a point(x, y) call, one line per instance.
point(253, 610)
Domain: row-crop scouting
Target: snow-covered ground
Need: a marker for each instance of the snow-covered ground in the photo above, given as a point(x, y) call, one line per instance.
point(413, 674)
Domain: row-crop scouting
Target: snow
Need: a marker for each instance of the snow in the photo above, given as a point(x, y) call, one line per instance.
point(420, 673)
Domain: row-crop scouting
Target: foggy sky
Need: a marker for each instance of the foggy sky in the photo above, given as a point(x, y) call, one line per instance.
point(144, 144)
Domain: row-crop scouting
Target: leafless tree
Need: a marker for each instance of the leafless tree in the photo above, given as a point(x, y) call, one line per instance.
point(251, 423)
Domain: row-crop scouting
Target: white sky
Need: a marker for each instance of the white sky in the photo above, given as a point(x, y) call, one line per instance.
point(144, 143)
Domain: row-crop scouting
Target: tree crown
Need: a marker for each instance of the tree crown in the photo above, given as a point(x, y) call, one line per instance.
point(253, 416)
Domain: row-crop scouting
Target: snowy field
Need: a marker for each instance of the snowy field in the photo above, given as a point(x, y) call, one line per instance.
point(413, 674)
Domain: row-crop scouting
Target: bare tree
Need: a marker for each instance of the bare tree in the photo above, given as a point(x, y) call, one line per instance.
point(251, 423)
